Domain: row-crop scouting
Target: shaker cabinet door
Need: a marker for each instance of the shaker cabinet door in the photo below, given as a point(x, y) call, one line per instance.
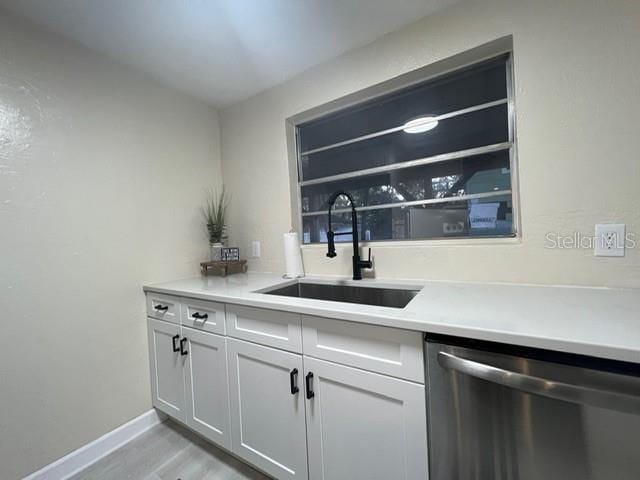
point(363, 425)
point(207, 386)
point(167, 379)
point(267, 409)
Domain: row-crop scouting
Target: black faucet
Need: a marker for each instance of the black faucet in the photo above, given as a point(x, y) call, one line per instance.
point(358, 264)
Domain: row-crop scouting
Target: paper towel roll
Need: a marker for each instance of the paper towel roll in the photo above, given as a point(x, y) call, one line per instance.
point(293, 256)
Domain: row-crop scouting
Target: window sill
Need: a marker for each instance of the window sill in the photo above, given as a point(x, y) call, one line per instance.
point(436, 242)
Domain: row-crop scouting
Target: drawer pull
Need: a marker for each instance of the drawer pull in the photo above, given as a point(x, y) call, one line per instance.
point(161, 308)
point(200, 316)
point(173, 340)
point(293, 380)
point(183, 342)
point(308, 380)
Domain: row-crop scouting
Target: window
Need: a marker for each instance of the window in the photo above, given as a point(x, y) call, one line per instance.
point(432, 160)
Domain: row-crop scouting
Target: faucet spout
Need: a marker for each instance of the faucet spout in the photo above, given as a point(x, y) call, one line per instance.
point(358, 264)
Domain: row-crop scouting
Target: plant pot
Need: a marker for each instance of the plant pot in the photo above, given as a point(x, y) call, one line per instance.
point(215, 252)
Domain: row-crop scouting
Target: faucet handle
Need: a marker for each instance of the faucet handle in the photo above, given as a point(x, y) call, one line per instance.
point(369, 260)
point(331, 244)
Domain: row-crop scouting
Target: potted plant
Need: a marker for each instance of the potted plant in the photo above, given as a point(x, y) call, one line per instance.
point(214, 213)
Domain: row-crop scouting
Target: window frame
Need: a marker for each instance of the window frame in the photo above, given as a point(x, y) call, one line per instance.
point(483, 53)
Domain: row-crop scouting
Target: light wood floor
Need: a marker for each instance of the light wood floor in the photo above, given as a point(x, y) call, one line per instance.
point(169, 452)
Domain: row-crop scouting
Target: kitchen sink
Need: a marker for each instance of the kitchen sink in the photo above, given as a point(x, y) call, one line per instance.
point(381, 297)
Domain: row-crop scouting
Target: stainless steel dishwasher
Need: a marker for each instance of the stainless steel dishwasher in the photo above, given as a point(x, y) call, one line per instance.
point(497, 412)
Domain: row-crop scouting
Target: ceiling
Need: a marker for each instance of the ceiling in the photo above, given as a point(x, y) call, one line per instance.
point(223, 51)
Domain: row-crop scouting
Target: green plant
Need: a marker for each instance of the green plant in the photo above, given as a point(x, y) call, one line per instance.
point(214, 212)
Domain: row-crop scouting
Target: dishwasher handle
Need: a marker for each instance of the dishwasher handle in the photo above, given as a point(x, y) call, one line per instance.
point(622, 402)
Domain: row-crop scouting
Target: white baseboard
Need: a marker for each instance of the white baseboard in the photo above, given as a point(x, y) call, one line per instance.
point(92, 452)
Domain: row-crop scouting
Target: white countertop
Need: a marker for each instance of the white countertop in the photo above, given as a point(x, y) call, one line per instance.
point(601, 322)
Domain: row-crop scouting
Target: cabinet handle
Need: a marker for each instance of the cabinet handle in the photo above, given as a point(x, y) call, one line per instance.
point(293, 377)
point(200, 316)
point(308, 380)
point(182, 344)
point(161, 308)
point(173, 339)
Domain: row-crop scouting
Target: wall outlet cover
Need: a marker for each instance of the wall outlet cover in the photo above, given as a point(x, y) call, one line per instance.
point(255, 249)
point(609, 240)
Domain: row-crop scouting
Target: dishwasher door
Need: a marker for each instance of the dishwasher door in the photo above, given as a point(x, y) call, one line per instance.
point(497, 416)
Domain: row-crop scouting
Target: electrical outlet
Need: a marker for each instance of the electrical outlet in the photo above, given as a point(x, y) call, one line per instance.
point(255, 246)
point(609, 240)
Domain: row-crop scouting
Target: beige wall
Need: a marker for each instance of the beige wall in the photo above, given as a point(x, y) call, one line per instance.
point(101, 176)
point(577, 76)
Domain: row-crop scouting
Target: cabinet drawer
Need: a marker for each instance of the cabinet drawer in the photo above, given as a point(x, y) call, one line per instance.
point(385, 350)
point(163, 307)
point(200, 315)
point(268, 327)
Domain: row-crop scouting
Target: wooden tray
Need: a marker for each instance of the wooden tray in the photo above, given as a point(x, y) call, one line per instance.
point(222, 269)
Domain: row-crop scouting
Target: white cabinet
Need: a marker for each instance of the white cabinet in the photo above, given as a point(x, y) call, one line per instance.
point(298, 397)
point(206, 386)
point(189, 378)
point(267, 408)
point(167, 379)
point(362, 425)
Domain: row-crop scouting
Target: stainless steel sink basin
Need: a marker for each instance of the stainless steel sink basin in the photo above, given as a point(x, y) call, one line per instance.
point(381, 297)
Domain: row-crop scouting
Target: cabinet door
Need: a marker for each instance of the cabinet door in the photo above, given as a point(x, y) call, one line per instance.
point(363, 425)
point(267, 413)
point(207, 386)
point(167, 379)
